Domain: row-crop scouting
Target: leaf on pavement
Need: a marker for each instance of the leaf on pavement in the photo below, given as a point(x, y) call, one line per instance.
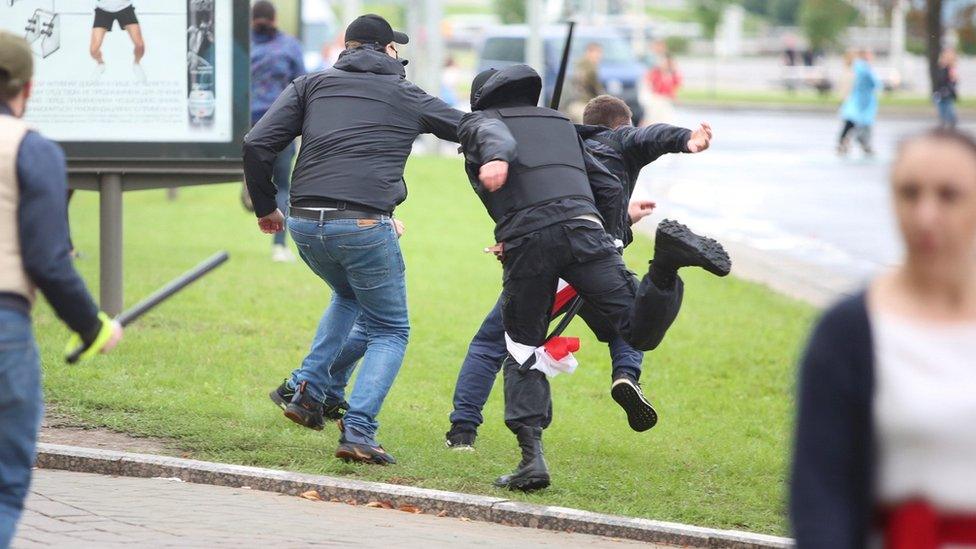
point(442, 513)
point(410, 509)
point(380, 504)
point(311, 494)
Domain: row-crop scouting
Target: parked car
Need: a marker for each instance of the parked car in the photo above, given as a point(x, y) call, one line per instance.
point(620, 71)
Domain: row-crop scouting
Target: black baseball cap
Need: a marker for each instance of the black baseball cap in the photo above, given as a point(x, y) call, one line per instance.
point(372, 28)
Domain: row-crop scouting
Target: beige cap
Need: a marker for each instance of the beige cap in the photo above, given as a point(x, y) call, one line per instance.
point(16, 60)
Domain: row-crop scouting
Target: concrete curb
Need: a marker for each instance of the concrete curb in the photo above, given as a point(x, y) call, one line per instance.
point(483, 508)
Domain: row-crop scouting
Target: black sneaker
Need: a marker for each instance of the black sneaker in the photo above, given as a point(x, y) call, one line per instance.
point(305, 410)
point(462, 437)
point(640, 414)
point(362, 453)
point(335, 411)
point(282, 395)
point(676, 246)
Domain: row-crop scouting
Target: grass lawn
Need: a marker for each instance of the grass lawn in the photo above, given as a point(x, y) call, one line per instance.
point(802, 98)
point(199, 368)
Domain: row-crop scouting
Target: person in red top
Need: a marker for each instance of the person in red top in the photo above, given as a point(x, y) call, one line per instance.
point(664, 79)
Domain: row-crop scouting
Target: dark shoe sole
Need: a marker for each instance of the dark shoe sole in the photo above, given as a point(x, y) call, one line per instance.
point(640, 414)
point(302, 418)
point(700, 251)
point(353, 454)
point(526, 484)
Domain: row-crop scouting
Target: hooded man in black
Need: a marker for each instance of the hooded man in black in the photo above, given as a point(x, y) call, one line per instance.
point(554, 219)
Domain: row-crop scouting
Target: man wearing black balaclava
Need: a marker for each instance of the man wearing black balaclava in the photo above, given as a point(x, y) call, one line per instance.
point(557, 214)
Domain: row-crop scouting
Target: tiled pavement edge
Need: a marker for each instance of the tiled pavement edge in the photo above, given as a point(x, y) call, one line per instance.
point(484, 508)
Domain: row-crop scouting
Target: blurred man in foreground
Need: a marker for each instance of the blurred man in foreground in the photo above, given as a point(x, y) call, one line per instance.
point(34, 253)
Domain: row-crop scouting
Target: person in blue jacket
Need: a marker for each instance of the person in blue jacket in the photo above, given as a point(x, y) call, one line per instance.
point(276, 60)
point(860, 108)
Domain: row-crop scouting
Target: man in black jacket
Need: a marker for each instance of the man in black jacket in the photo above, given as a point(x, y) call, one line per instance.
point(624, 150)
point(551, 224)
point(358, 121)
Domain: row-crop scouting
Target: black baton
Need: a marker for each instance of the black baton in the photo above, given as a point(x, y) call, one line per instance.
point(130, 315)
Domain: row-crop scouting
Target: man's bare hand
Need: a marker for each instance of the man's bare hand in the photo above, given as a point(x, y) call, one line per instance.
point(272, 223)
point(493, 174)
point(398, 227)
point(497, 249)
point(700, 138)
point(639, 209)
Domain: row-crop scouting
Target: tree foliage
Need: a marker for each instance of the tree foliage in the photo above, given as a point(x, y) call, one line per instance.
point(779, 12)
point(824, 21)
point(709, 15)
point(510, 11)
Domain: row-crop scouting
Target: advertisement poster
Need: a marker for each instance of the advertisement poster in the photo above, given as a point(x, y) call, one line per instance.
point(129, 71)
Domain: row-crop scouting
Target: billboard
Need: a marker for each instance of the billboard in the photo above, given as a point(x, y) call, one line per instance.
point(137, 79)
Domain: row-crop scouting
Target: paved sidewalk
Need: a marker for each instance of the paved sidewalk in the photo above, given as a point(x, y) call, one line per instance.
point(67, 509)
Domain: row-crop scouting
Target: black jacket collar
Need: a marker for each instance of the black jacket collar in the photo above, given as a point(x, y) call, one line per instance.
point(369, 59)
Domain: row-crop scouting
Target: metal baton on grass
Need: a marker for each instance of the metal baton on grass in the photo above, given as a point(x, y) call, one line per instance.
point(131, 314)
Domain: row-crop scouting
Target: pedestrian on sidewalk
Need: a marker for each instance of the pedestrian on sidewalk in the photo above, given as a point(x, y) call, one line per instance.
point(860, 107)
point(276, 60)
point(358, 121)
point(886, 430)
point(34, 254)
point(945, 95)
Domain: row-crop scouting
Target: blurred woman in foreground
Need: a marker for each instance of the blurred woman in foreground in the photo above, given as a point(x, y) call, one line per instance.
point(886, 434)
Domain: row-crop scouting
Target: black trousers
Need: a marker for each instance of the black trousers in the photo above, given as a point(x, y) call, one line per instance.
point(582, 254)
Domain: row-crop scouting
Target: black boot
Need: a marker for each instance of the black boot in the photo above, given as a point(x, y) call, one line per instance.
point(675, 246)
point(532, 472)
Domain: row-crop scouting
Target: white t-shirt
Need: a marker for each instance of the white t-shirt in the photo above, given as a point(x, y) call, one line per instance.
point(112, 6)
point(925, 412)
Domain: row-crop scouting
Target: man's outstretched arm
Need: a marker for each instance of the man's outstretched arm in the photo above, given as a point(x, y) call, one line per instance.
point(649, 143)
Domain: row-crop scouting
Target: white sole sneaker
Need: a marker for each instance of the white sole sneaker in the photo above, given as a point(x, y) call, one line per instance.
point(640, 413)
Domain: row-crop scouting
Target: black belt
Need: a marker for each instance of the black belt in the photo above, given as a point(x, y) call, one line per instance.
point(328, 215)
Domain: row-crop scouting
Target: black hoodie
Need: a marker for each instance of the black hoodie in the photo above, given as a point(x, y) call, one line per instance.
point(358, 121)
point(625, 150)
point(484, 139)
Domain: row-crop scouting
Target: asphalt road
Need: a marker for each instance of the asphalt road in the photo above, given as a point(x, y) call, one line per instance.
point(772, 183)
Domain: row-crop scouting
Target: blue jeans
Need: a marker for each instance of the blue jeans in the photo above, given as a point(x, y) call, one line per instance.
point(21, 408)
point(479, 369)
point(362, 263)
point(947, 112)
point(484, 360)
point(282, 180)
